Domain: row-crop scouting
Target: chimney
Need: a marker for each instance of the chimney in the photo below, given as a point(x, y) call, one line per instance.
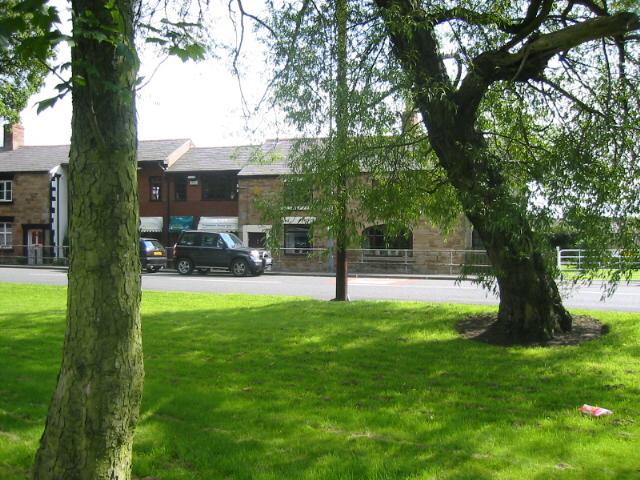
point(13, 136)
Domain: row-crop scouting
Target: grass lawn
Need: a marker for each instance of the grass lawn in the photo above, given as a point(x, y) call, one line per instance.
point(241, 387)
point(604, 274)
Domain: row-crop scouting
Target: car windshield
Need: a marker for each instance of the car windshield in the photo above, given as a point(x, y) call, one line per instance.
point(152, 245)
point(231, 240)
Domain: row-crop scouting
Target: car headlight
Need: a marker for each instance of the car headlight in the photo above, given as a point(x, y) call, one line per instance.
point(255, 254)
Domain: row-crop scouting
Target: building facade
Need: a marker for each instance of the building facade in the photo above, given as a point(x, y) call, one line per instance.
point(217, 189)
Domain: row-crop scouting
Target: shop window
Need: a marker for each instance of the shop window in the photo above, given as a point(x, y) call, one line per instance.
point(180, 189)
point(220, 187)
point(297, 240)
point(155, 184)
point(377, 242)
point(257, 239)
point(6, 235)
point(6, 193)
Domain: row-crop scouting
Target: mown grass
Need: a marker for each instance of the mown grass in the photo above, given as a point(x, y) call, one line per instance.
point(241, 387)
point(573, 273)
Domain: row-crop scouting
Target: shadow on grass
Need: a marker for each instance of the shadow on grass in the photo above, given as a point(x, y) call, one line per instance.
point(264, 388)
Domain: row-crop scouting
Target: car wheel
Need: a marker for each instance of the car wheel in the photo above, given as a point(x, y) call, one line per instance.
point(152, 270)
point(203, 271)
point(239, 268)
point(184, 266)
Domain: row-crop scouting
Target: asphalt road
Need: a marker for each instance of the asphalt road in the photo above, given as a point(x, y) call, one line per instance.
point(626, 297)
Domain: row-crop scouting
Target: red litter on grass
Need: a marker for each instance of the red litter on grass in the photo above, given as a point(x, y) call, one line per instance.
point(594, 411)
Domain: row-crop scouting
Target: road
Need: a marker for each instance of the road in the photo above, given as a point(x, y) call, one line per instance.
point(626, 298)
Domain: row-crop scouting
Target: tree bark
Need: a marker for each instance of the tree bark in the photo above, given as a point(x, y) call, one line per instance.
point(342, 132)
point(94, 409)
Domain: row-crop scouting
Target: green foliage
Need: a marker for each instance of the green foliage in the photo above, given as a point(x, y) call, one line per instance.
point(265, 388)
point(369, 158)
point(26, 46)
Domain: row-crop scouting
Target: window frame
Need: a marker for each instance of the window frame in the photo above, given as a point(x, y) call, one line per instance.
point(228, 180)
point(180, 182)
point(6, 235)
point(385, 246)
point(297, 251)
point(155, 181)
point(6, 198)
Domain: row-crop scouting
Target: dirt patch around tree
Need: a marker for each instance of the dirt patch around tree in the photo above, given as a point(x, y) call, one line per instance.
point(485, 328)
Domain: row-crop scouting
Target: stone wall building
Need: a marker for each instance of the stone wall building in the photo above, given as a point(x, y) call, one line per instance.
point(215, 188)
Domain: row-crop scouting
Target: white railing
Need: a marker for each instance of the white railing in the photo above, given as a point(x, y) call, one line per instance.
point(577, 260)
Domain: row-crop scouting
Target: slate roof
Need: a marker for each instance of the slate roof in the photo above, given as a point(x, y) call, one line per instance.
point(154, 150)
point(33, 159)
point(214, 159)
point(44, 158)
point(272, 159)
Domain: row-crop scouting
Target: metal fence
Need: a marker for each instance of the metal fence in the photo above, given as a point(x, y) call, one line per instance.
point(576, 260)
point(451, 262)
point(34, 255)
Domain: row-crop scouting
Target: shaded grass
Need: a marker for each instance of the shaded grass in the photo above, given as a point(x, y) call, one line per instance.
point(261, 387)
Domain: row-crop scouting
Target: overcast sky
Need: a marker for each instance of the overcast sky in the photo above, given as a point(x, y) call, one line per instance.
point(200, 101)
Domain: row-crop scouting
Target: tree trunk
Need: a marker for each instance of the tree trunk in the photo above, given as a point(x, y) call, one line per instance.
point(94, 410)
point(342, 293)
point(342, 133)
point(530, 303)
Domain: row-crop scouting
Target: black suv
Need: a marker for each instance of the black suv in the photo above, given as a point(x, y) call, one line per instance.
point(206, 251)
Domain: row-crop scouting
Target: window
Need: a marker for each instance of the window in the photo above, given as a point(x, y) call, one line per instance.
point(190, 239)
point(180, 189)
point(212, 240)
point(377, 242)
point(296, 239)
point(220, 186)
point(6, 235)
point(5, 191)
point(155, 184)
point(257, 239)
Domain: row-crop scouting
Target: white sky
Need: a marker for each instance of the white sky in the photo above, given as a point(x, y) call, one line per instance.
point(200, 101)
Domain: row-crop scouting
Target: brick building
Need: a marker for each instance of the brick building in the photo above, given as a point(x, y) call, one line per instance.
point(216, 189)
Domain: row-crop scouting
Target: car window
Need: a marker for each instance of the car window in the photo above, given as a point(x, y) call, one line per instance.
point(151, 245)
point(211, 240)
point(189, 239)
point(231, 240)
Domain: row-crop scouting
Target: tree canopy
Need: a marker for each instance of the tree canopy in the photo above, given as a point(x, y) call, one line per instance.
point(21, 74)
point(531, 116)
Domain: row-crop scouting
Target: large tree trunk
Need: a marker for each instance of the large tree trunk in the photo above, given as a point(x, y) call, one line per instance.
point(93, 413)
point(530, 304)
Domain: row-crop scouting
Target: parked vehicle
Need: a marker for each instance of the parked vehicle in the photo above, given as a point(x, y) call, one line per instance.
point(206, 251)
point(153, 256)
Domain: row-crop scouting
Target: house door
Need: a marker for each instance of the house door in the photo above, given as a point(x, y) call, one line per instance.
point(35, 241)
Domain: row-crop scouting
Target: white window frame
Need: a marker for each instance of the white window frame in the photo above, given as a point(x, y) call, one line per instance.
point(6, 235)
point(7, 195)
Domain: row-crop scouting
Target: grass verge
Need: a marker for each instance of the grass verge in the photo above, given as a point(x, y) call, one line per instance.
point(241, 387)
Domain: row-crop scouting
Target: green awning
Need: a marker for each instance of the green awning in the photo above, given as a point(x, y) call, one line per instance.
point(180, 223)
